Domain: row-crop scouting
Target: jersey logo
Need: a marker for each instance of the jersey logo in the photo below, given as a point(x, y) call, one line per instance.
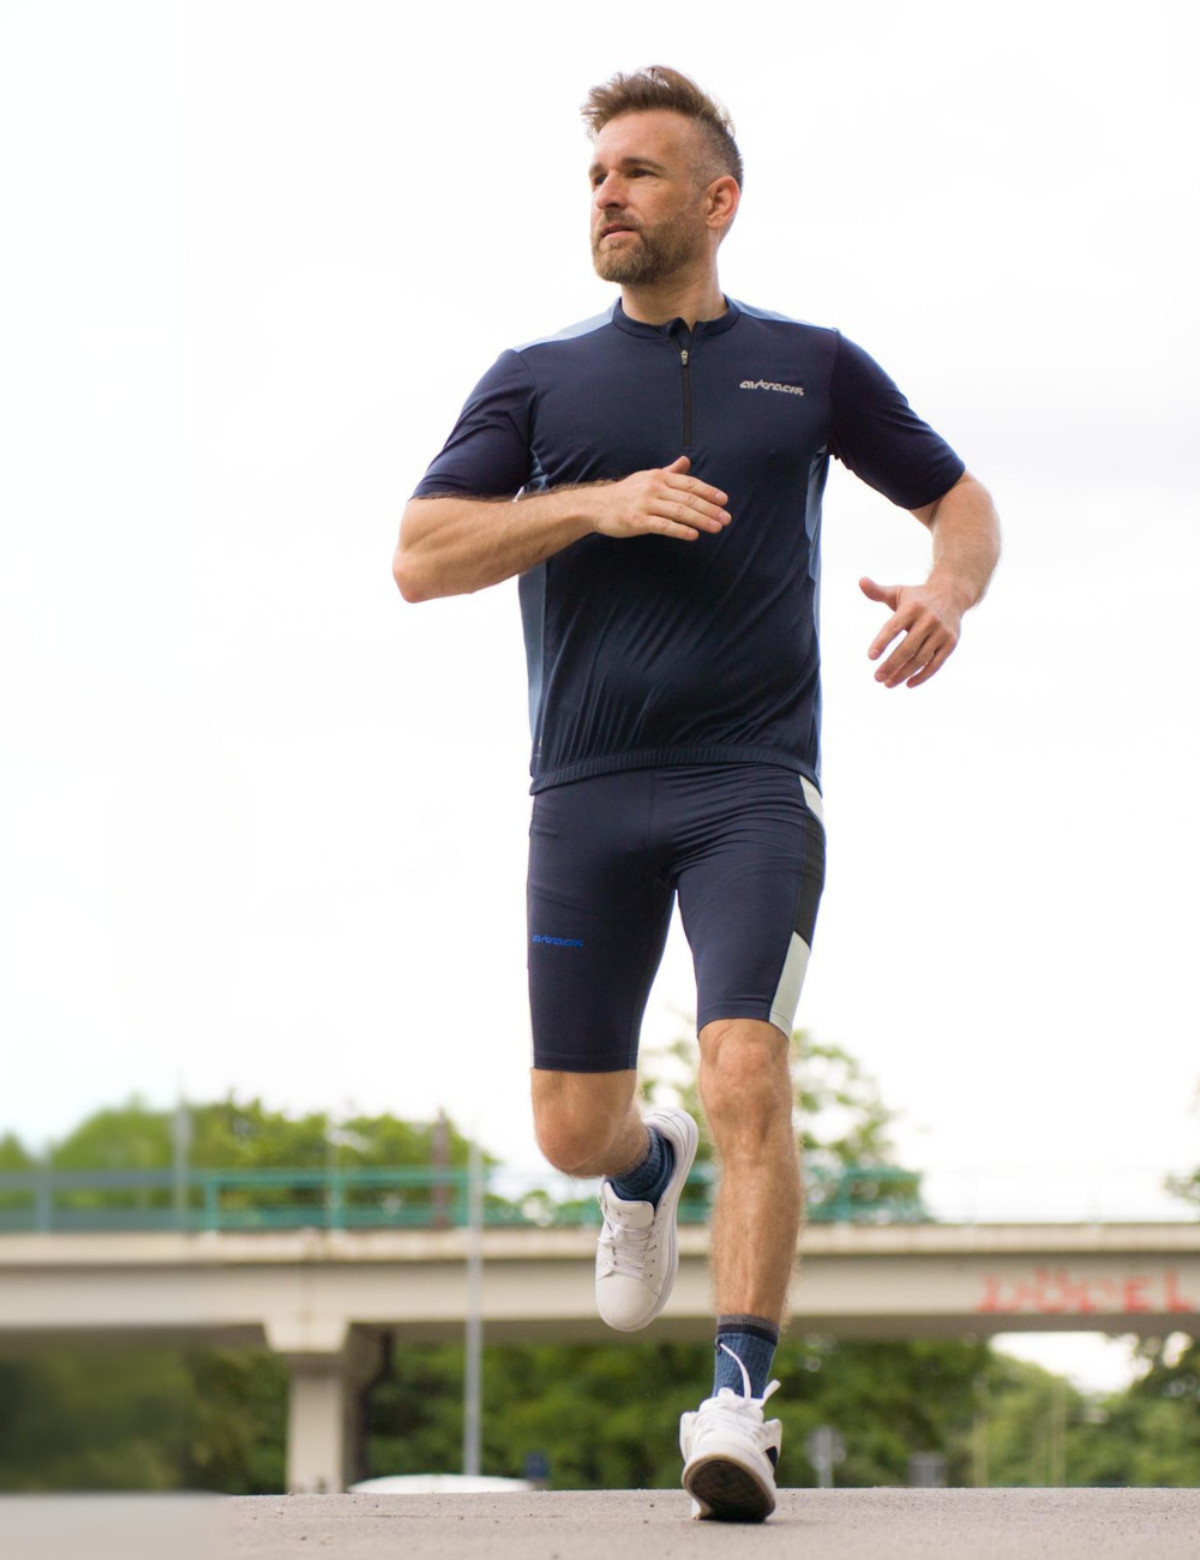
point(769, 384)
point(558, 942)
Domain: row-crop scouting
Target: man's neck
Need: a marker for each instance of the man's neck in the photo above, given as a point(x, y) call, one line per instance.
point(675, 298)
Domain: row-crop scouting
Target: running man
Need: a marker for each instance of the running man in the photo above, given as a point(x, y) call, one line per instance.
point(654, 475)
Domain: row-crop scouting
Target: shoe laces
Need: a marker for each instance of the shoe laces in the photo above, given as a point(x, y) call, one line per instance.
point(728, 1399)
point(629, 1243)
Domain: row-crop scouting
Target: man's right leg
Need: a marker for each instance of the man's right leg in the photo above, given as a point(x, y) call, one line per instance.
point(598, 916)
point(587, 1123)
point(599, 912)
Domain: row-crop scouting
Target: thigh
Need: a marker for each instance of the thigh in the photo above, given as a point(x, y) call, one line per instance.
point(598, 913)
point(750, 870)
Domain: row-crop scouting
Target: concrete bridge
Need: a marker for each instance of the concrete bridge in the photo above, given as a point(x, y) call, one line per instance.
point(324, 1299)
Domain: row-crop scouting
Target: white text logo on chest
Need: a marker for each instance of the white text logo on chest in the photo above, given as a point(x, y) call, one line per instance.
point(769, 384)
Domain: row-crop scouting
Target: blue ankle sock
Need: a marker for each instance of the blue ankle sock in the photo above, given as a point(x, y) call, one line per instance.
point(753, 1340)
point(648, 1181)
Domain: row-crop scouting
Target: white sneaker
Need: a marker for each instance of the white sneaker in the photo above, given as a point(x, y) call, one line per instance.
point(730, 1455)
point(638, 1254)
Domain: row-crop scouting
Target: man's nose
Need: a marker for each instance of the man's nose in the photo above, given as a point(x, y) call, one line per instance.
point(609, 192)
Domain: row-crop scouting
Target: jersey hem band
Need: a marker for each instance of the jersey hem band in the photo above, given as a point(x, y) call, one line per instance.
point(655, 758)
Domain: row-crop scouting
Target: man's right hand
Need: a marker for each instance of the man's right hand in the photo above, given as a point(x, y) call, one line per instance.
point(664, 501)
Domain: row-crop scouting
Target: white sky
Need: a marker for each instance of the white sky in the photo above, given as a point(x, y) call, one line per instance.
point(265, 823)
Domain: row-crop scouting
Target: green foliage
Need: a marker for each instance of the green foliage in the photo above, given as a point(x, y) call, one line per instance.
point(126, 1137)
point(14, 1155)
point(97, 1420)
point(230, 1134)
point(840, 1118)
point(236, 1422)
point(233, 1135)
point(606, 1414)
point(841, 1123)
point(143, 1419)
point(15, 1159)
point(1186, 1187)
point(1032, 1424)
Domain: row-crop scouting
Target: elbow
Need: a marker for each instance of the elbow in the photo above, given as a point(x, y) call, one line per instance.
point(403, 576)
point(402, 562)
point(417, 574)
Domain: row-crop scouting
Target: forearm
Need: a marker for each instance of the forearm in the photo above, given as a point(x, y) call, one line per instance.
point(966, 543)
point(455, 546)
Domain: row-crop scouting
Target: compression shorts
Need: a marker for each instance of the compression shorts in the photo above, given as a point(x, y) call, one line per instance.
point(743, 844)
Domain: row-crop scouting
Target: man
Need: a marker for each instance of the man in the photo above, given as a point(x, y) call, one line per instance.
point(668, 459)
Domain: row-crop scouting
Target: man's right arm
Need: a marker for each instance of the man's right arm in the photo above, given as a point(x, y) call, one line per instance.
point(455, 546)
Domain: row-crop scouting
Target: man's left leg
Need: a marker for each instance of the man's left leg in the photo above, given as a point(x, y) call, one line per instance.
point(730, 1449)
point(750, 866)
point(747, 1091)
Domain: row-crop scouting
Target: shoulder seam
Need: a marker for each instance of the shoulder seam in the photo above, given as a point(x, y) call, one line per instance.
point(773, 317)
point(572, 331)
point(520, 356)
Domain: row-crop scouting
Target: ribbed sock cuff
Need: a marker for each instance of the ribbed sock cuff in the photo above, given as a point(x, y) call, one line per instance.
point(757, 1326)
point(647, 1181)
point(750, 1339)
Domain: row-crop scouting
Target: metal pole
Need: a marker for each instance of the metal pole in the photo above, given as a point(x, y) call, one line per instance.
point(472, 1419)
point(330, 1160)
point(440, 1155)
point(183, 1123)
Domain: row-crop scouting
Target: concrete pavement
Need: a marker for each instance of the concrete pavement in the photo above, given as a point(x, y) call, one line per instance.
point(874, 1524)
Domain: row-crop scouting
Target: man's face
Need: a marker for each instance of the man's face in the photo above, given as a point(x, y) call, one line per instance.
point(641, 180)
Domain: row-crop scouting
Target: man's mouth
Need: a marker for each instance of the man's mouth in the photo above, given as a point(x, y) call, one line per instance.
point(609, 231)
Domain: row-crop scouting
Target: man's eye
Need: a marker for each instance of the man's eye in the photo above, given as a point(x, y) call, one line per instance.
point(633, 174)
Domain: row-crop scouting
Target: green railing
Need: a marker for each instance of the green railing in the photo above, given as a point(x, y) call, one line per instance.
point(62, 1201)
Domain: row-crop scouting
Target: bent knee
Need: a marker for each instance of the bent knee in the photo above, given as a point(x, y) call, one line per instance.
point(570, 1149)
point(577, 1115)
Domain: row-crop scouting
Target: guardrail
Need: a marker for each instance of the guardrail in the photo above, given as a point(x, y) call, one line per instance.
point(421, 1197)
point(411, 1197)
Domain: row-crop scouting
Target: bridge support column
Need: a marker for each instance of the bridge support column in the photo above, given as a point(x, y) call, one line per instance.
point(329, 1364)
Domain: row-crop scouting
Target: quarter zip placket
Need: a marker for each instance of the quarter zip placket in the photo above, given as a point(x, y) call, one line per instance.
point(685, 358)
point(685, 362)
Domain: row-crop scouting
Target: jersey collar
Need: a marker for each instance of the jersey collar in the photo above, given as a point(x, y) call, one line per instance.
point(722, 322)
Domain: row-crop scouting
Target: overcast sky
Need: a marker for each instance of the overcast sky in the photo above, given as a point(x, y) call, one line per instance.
point(265, 823)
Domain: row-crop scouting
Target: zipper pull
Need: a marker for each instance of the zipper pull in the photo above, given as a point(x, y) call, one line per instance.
point(684, 356)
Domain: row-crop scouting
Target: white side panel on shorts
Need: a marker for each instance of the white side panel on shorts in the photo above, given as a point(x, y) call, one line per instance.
point(813, 797)
point(787, 994)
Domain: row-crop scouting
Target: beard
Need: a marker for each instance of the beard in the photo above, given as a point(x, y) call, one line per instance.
point(649, 255)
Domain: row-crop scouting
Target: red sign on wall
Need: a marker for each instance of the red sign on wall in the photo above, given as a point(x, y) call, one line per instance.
point(1053, 1292)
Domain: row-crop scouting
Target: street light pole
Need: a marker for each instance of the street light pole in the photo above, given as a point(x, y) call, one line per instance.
point(182, 1133)
point(472, 1420)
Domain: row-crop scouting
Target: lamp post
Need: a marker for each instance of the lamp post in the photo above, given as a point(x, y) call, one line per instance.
point(440, 1156)
point(472, 1419)
point(182, 1136)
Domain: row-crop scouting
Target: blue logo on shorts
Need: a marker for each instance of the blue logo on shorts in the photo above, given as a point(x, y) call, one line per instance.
point(559, 942)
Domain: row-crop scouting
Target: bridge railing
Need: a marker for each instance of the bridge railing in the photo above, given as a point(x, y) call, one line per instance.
point(409, 1197)
point(424, 1197)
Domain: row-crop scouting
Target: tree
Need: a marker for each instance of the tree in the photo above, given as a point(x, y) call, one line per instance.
point(606, 1413)
point(842, 1126)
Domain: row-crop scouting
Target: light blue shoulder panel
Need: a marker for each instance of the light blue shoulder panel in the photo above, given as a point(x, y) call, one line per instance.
point(568, 331)
point(769, 314)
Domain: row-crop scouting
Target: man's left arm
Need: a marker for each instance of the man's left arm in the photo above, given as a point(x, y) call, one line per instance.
point(966, 549)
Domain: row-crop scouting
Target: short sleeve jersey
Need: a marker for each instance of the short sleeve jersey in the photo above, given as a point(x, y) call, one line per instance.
point(652, 650)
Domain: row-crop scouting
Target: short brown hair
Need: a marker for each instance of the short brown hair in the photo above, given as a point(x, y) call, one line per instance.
point(658, 86)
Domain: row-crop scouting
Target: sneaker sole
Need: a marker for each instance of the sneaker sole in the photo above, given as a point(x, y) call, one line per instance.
point(669, 1201)
point(727, 1491)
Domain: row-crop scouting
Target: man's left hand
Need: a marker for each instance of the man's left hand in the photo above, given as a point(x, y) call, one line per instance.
point(928, 616)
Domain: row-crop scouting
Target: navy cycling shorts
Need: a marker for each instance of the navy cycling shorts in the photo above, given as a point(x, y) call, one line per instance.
point(744, 846)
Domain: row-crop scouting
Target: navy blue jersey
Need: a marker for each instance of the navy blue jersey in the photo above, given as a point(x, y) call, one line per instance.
point(652, 650)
